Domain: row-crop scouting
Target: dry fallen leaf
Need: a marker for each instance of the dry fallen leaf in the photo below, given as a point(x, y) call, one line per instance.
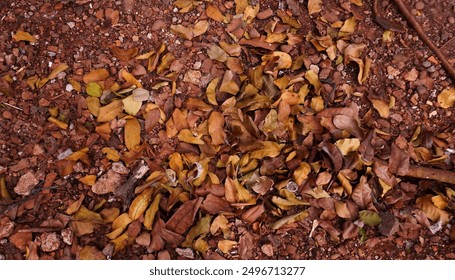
point(24, 36)
point(110, 111)
point(314, 6)
point(214, 13)
point(97, 75)
point(140, 204)
point(132, 134)
point(447, 98)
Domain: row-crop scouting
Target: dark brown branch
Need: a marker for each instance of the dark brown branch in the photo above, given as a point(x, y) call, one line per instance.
point(418, 29)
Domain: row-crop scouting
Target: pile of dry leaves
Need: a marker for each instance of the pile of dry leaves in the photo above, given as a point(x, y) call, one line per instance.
point(245, 121)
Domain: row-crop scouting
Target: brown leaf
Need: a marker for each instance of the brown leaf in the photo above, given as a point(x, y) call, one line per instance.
point(363, 195)
point(74, 207)
point(124, 55)
point(183, 217)
point(90, 253)
point(5, 87)
point(399, 158)
point(214, 205)
point(335, 155)
point(253, 213)
point(182, 31)
point(216, 128)
point(349, 124)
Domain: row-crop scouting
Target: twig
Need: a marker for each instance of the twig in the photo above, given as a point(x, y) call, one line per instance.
point(125, 191)
point(415, 25)
point(12, 106)
point(420, 172)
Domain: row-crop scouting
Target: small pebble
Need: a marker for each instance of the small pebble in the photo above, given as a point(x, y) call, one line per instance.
point(451, 20)
point(426, 64)
point(420, 5)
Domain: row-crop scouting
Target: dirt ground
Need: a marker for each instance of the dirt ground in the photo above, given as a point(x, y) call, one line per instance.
point(260, 129)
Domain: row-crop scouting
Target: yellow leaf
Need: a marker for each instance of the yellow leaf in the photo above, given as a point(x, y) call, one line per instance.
point(60, 124)
point(240, 6)
point(250, 13)
point(74, 207)
point(109, 214)
point(313, 78)
point(60, 68)
point(150, 214)
point(211, 91)
point(348, 27)
point(290, 219)
point(301, 173)
point(214, 13)
point(433, 213)
point(346, 184)
point(140, 203)
point(32, 81)
point(110, 111)
point(201, 245)
point(269, 149)
point(382, 107)
point(185, 135)
point(439, 201)
point(286, 204)
point(220, 222)
point(78, 155)
point(88, 180)
point(96, 75)
point(347, 145)
point(111, 154)
point(314, 6)
point(200, 28)
point(132, 134)
point(226, 245)
point(24, 36)
point(83, 214)
point(94, 89)
point(130, 78)
point(317, 103)
point(131, 106)
point(93, 105)
point(202, 227)
point(447, 98)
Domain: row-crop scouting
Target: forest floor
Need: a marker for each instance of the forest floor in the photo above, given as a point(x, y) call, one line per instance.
point(243, 129)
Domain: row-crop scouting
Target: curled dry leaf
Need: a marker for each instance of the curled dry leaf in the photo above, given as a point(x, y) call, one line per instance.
point(347, 145)
point(124, 54)
point(140, 204)
point(214, 13)
point(183, 218)
point(290, 219)
point(252, 214)
point(110, 111)
point(202, 227)
point(226, 245)
point(435, 214)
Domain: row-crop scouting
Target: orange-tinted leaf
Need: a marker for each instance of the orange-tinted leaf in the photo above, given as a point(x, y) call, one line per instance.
point(110, 111)
point(24, 36)
point(60, 68)
point(214, 13)
point(88, 180)
point(216, 128)
point(130, 78)
point(314, 6)
point(91, 253)
point(74, 207)
point(253, 213)
point(226, 245)
point(149, 216)
point(124, 55)
point(97, 75)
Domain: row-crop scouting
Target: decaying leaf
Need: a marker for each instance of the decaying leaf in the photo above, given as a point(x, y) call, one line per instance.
point(183, 31)
point(382, 107)
point(214, 13)
point(370, 218)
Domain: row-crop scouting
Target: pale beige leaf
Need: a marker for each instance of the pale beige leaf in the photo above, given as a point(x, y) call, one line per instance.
point(226, 245)
point(347, 145)
point(131, 106)
point(182, 31)
point(200, 28)
point(290, 219)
